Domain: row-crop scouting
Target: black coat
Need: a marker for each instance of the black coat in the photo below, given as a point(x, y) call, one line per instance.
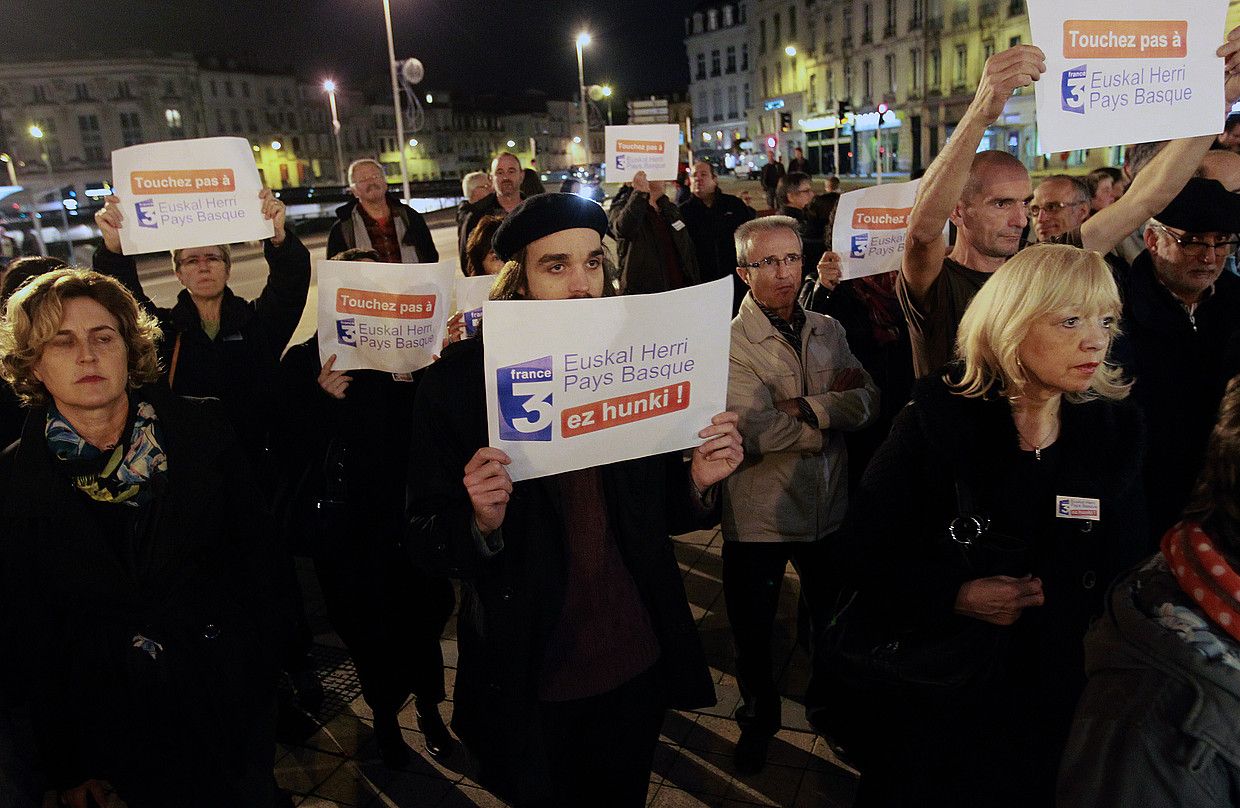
point(1180, 371)
point(239, 366)
point(712, 228)
point(191, 569)
point(813, 239)
point(486, 206)
point(637, 246)
point(909, 572)
point(417, 233)
point(511, 602)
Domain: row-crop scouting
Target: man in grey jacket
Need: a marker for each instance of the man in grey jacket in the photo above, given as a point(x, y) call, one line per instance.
point(796, 387)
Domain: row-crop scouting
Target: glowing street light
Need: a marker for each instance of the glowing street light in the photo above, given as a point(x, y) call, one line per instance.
point(276, 145)
point(413, 142)
point(330, 87)
point(36, 131)
point(583, 39)
point(791, 50)
point(512, 144)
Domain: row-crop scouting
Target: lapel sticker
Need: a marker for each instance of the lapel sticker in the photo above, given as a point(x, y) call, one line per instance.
point(1078, 508)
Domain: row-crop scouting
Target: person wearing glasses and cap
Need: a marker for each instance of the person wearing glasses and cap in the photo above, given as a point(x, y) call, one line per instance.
point(796, 388)
point(1181, 310)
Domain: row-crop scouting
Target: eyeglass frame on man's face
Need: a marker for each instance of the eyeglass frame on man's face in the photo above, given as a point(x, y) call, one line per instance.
point(771, 261)
point(1198, 249)
point(1033, 208)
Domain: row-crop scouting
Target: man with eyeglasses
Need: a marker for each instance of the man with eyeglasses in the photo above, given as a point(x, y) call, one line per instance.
point(985, 196)
point(1060, 205)
point(796, 388)
point(795, 193)
point(1180, 312)
point(376, 219)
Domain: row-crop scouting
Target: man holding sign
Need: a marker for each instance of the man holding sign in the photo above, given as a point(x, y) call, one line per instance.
point(575, 633)
point(985, 195)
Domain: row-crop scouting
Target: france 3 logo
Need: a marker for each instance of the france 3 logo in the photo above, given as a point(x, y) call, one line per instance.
point(1073, 89)
point(860, 245)
point(146, 213)
point(346, 332)
point(525, 405)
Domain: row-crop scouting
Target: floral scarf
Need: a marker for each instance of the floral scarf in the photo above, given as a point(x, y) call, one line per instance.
point(1204, 574)
point(118, 475)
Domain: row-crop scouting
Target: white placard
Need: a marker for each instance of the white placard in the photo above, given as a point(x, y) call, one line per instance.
point(471, 293)
point(653, 148)
point(389, 317)
point(870, 226)
point(188, 193)
point(1127, 71)
point(604, 380)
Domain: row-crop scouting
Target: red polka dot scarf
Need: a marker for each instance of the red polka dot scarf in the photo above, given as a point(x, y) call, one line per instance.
point(1204, 574)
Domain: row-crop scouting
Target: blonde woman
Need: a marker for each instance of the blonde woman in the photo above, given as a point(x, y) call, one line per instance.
point(992, 519)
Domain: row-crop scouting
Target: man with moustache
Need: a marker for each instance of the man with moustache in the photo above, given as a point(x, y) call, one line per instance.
point(377, 220)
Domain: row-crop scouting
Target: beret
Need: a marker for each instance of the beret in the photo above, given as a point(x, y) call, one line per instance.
point(544, 214)
point(1204, 206)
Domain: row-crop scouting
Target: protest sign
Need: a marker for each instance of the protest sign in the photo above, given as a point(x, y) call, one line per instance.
point(388, 317)
point(870, 225)
point(471, 293)
point(1127, 71)
point(653, 148)
point(188, 193)
point(607, 379)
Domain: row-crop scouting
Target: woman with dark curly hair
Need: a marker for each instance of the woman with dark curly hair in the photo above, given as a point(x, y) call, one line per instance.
point(134, 564)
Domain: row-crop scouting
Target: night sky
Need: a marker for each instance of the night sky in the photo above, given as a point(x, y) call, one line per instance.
point(470, 45)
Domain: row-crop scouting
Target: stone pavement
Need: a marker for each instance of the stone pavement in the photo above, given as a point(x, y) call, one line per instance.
point(339, 765)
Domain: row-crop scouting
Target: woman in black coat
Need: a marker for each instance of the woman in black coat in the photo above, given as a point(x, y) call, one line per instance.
point(1028, 435)
point(134, 565)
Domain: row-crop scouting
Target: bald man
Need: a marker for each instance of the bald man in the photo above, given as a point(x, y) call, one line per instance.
point(1060, 205)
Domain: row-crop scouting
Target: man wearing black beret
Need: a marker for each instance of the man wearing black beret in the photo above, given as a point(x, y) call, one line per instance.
point(1181, 310)
point(575, 634)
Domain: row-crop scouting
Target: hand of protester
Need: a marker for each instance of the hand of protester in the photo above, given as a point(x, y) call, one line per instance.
point(848, 379)
point(1230, 52)
point(1018, 66)
point(830, 268)
point(273, 209)
point(333, 382)
point(456, 328)
point(999, 599)
point(110, 220)
point(720, 454)
point(789, 406)
point(640, 183)
point(100, 790)
point(489, 487)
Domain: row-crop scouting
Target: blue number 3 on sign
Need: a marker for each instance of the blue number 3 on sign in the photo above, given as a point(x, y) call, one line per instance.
point(525, 409)
point(1074, 89)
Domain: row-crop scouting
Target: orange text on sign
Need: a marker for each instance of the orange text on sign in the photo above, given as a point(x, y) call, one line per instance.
point(1125, 39)
point(385, 304)
point(643, 146)
point(880, 218)
point(624, 409)
point(193, 181)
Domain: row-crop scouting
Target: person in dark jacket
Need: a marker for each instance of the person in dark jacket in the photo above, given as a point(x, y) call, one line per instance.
point(377, 220)
point(795, 195)
point(1156, 724)
point(506, 176)
point(1026, 449)
point(135, 564)
point(574, 631)
point(772, 172)
point(712, 217)
point(351, 429)
point(1181, 310)
point(653, 245)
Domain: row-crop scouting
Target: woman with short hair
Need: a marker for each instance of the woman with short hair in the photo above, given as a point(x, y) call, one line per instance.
point(984, 532)
point(134, 564)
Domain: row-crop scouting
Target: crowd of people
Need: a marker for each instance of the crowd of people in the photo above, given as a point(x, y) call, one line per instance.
point(1006, 475)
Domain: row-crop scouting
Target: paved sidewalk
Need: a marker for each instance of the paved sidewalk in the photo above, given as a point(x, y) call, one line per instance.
point(339, 765)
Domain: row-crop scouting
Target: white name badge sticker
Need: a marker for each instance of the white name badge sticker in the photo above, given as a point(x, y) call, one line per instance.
point(1078, 508)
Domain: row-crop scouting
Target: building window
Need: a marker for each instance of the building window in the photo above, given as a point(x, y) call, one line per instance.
point(727, 16)
point(251, 122)
point(890, 29)
point(81, 92)
point(848, 32)
point(813, 92)
point(712, 19)
point(988, 49)
point(831, 84)
point(811, 44)
point(92, 140)
point(936, 69)
point(1014, 41)
point(867, 82)
point(131, 128)
point(867, 22)
point(761, 37)
point(743, 15)
point(219, 122)
point(779, 79)
point(701, 67)
point(245, 89)
point(715, 63)
point(733, 112)
point(914, 58)
point(777, 37)
point(731, 62)
point(175, 127)
point(235, 116)
point(123, 90)
point(747, 96)
point(228, 88)
point(744, 57)
point(792, 22)
point(214, 89)
point(717, 104)
point(918, 15)
point(38, 94)
point(848, 81)
point(961, 75)
point(890, 61)
point(765, 87)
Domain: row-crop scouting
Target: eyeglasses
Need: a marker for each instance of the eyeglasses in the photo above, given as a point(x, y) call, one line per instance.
point(1051, 207)
point(198, 260)
point(1195, 246)
point(770, 262)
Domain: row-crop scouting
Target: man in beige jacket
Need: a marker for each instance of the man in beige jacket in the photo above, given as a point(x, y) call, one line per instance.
point(796, 387)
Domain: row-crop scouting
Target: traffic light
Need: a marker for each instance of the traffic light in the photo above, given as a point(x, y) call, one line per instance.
point(785, 121)
point(843, 109)
point(882, 113)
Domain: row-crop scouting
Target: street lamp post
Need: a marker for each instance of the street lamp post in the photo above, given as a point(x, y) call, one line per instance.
point(37, 133)
point(583, 39)
point(400, 124)
point(607, 91)
point(330, 87)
